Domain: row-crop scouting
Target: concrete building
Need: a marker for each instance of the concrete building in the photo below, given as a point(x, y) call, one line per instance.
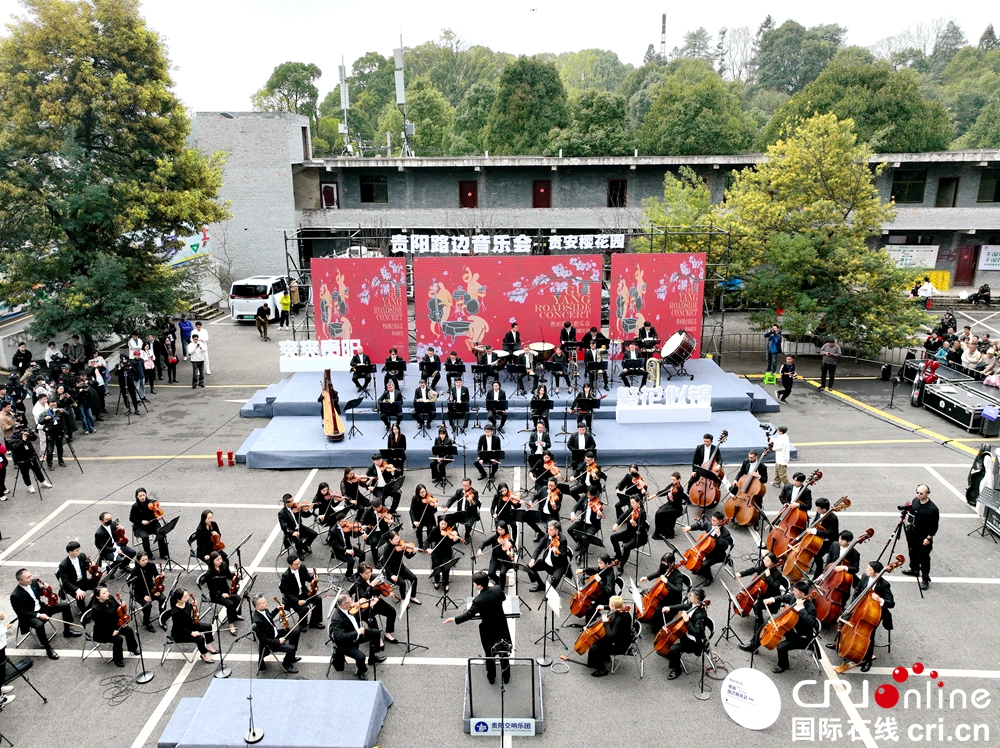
point(948, 203)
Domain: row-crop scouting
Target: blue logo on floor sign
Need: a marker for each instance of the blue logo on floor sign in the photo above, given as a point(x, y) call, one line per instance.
point(491, 726)
point(482, 727)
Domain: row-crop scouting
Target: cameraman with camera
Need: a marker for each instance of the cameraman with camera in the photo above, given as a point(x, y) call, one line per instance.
point(26, 460)
point(53, 420)
point(921, 517)
point(126, 385)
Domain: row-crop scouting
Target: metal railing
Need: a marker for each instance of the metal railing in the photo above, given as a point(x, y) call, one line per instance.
point(754, 343)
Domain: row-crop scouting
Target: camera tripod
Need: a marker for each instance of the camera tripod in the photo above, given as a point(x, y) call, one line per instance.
point(123, 393)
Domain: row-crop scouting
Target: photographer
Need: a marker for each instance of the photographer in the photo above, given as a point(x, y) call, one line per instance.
point(22, 358)
point(922, 518)
point(26, 460)
point(126, 384)
point(197, 351)
point(53, 420)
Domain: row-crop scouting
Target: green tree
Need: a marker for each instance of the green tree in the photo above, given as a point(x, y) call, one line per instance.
point(470, 118)
point(697, 44)
point(988, 40)
point(96, 173)
point(985, 131)
point(640, 99)
point(696, 112)
point(453, 67)
point(791, 55)
point(802, 220)
point(291, 88)
point(686, 204)
point(968, 83)
point(598, 127)
point(432, 117)
point(592, 68)
point(888, 111)
point(530, 101)
point(946, 46)
point(650, 55)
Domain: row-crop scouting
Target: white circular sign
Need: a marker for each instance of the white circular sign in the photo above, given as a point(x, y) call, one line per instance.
point(751, 699)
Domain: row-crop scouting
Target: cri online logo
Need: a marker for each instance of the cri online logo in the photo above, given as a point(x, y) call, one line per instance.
point(887, 695)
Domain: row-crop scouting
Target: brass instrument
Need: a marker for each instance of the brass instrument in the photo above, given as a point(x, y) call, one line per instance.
point(432, 395)
point(653, 371)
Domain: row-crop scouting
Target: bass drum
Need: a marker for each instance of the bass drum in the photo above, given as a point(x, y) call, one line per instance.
point(679, 348)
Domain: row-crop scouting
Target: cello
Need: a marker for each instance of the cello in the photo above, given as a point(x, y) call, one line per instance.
point(790, 522)
point(744, 505)
point(804, 548)
point(594, 632)
point(705, 491)
point(652, 598)
point(835, 586)
point(694, 557)
point(864, 616)
point(774, 630)
point(583, 599)
point(671, 632)
point(752, 591)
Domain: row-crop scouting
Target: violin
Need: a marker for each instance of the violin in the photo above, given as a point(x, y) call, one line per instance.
point(383, 587)
point(124, 617)
point(387, 467)
point(554, 499)
point(744, 506)
point(694, 557)
point(154, 507)
point(194, 612)
point(804, 548)
point(865, 614)
point(584, 598)
point(595, 505)
point(358, 607)
point(159, 583)
point(217, 544)
point(705, 491)
point(639, 483)
point(404, 547)
point(281, 614)
point(314, 583)
point(512, 498)
point(775, 629)
point(469, 496)
point(94, 570)
point(51, 598)
point(234, 587)
point(667, 636)
point(451, 534)
point(554, 545)
point(119, 532)
point(790, 522)
point(301, 506)
point(634, 519)
point(351, 528)
point(593, 633)
point(656, 594)
point(430, 501)
point(835, 586)
point(384, 514)
point(507, 545)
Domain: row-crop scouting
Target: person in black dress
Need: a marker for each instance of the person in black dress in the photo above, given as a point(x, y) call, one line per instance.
point(502, 555)
point(493, 631)
point(777, 586)
point(397, 440)
point(219, 581)
point(607, 579)
point(670, 510)
point(203, 536)
point(143, 582)
point(714, 526)
point(362, 590)
point(631, 531)
point(695, 615)
point(669, 572)
point(104, 614)
point(439, 465)
point(584, 414)
point(422, 514)
point(325, 505)
point(800, 636)
point(393, 555)
point(619, 626)
point(439, 545)
point(145, 524)
point(350, 489)
point(183, 628)
point(539, 406)
point(503, 506)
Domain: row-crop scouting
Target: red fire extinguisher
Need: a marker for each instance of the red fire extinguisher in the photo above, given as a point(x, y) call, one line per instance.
point(232, 460)
point(218, 455)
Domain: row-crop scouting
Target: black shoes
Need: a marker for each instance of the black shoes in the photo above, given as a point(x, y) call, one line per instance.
point(910, 572)
point(600, 673)
point(674, 674)
point(52, 655)
point(751, 647)
point(865, 667)
point(923, 584)
point(290, 669)
point(70, 634)
point(778, 669)
point(376, 658)
point(537, 588)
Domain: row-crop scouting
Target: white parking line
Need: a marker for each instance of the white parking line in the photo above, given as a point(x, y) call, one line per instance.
point(24, 538)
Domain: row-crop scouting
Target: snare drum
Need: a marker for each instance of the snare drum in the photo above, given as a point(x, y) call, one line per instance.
point(542, 351)
point(678, 348)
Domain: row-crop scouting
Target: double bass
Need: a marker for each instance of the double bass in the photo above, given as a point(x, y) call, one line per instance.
point(780, 624)
point(705, 491)
point(790, 522)
point(835, 586)
point(864, 616)
point(667, 636)
point(333, 424)
point(744, 505)
point(594, 632)
point(583, 599)
point(694, 557)
point(806, 546)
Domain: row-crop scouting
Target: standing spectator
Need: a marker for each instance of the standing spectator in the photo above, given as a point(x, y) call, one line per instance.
point(149, 366)
point(197, 352)
point(285, 304)
point(21, 359)
point(53, 358)
point(773, 338)
point(788, 375)
point(134, 342)
point(52, 420)
point(171, 327)
point(27, 462)
point(139, 372)
point(3, 472)
point(159, 354)
point(85, 404)
point(100, 367)
point(77, 355)
point(170, 347)
point(261, 317)
point(186, 328)
point(203, 337)
point(8, 421)
point(925, 292)
point(65, 402)
point(830, 352)
point(41, 405)
point(782, 448)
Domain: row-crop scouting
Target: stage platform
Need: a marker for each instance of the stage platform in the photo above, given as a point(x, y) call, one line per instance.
point(297, 395)
point(350, 714)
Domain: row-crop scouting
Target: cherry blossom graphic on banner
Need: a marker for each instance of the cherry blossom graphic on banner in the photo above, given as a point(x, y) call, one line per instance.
point(462, 304)
point(666, 290)
point(363, 299)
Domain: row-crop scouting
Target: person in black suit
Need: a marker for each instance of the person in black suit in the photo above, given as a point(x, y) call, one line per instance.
point(770, 569)
point(459, 395)
point(559, 356)
point(847, 559)
point(800, 636)
point(363, 590)
point(440, 545)
point(752, 465)
point(109, 549)
point(466, 499)
point(881, 593)
point(492, 361)
point(348, 634)
point(392, 566)
point(183, 628)
point(607, 579)
point(538, 444)
point(145, 524)
point(74, 576)
point(394, 377)
point(488, 442)
point(667, 514)
point(647, 336)
point(593, 335)
point(493, 631)
point(384, 481)
point(297, 536)
point(922, 519)
point(219, 580)
point(32, 610)
point(294, 589)
point(704, 452)
point(594, 355)
point(630, 531)
point(797, 491)
point(551, 555)
point(586, 518)
point(695, 615)
point(270, 638)
point(431, 357)
point(342, 548)
point(567, 334)
point(453, 359)
point(826, 525)
point(375, 521)
point(143, 581)
point(631, 483)
point(104, 614)
point(580, 444)
point(529, 359)
point(512, 339)
point(439, 465)
point(501, 509)
point(590, 476)
point(584, 414)
point(422, 395)
point(633, 365)
point(203, 535)
point(616, 642)
point(496, 405)
point(360, 358)
point(390, 396)
point(714, 526)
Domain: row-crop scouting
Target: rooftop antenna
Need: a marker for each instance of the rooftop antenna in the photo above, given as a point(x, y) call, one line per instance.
point(663, 39)
point(408, 129)
point(345, 104)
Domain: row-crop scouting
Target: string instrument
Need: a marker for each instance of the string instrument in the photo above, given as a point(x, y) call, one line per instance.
point(507, 545)
point(404, 547)
point(451, 534)
point(351, 528)
point(119, 533)
point(667, 636)
point(634, 519)
point(639, 483)
point(431, 501)
point(358, 606)
point(865, 614)
point(358, 479)
point(583, 599)
point(154, 507)
point(383, 587)
point(694, 557)
point(281, 614)
point(595, 505)
point(752, 591)
point(51, 598)
point(705, 491)
point(384, 514)
point(333, 424)
point(301, 506)
point(469, 496)
point(313, 583)
point(554, 546)
point(807, 546)
point(159, 583)
point(593, 633)
point(388, 467)
point(512, 498)
point(194, 612)
point(790, 522)
point(123, 616)
point(554, 499)
point(552, 468)
point(744, 506)
point(217, 544)
point(834, 587)
point(779, 625)
point(592, 470)
point(652, 598)
point(94, 570)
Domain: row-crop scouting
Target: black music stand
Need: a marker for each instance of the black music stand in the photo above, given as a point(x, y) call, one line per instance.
point(590, 405)
point(449, 453)
point(350, 405)
point(445, 601)
point(517, 372)
point(170, 564)
point(424, 409)
point(540, 407)
point(428, 369)
point(520, 516)
point(479, 378)
point(367, 373)
point(395, 370)
point(495, 406)
point(555, 368)
point(587, 539)
point(593, 367)
point(453, 372)
point(404, 611)
point(394, 456)
point(456, 411)
point(635, 368)
point(385, 408)
point(494, 459)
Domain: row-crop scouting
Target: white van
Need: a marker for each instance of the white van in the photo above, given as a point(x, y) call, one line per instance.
point(246, 296)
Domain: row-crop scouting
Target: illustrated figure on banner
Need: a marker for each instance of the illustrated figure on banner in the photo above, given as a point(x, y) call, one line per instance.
point(333, 309)
point(629, 302)
point(338, 319)
point(455, 314)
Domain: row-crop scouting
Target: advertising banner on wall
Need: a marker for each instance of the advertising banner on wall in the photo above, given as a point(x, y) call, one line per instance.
point(989, 257)
point(913, 256)
point(666, 290)
point(469, 301)
point(363, 299)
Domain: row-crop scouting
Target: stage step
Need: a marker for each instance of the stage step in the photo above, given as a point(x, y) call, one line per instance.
point(241, 453)
point(763, 402)
point(249, 409)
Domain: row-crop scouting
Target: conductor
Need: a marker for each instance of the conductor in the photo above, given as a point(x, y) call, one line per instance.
point(488, 605)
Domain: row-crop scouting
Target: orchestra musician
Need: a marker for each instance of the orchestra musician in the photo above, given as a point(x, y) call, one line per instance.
point(32, 610)
point(397, 440)
point(631, 484)
point(203, 535)
point(488, 442)
point(647, 336)
point(619, 627)
point(108, 548)
point(922, 519)
point(270, 638)
point(502, 506)
point(559, 357)
point(826, 525)
point(422, 514)
point(630, 531)
point(667, 514)
point(342, 548)
point(777, 586)
point(383, 476)
point(584, 413)
point(348, 635)
point(390, 396)
point(593, 335)
point(459, 395)
point(466, 499)
point(294, 589)
point(363, 359)
point(551, 555)
point(183, 628)
point(548, 500)
point(145, 523)
point(695, 615)
point(453, 359)
point(144, 590)
point(104, 614)
point(803, 631)
point(539, 406)
point(439, 465)
point(714, 526)
point(440, 544)
point(797, 491)
point(512, 339)
point(375, 521)
point(500, 557)
point(882, 594)
point(493, 631)
point(752, 465)
point(391, 374)
point(586, 518)
point(218, 580)
point(633, 365)
point(431, 357)
point(74, 575)
point(528, 356)
point(704, 453)
point(350, 489)
point(676, 581)
point(423, 395)
point(847, 559)
point(595, 355)
point(492, 363)
point(538, 444)
point(393, 555)
point(567, 334)
point(591, 475)
point(362, 590)
point(607, 579)
point(297, 535)
point(580, 444)
point(496, 403)
point(325, 505)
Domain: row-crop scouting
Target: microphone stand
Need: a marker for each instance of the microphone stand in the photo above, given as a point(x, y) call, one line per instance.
point(253, 734)
point(144, 676)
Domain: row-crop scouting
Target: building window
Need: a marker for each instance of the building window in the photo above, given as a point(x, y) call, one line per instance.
point(541, 193)
point(910, 239)
point(468, 194)
point(989, 186)
point(374, 188)
point(617, 193)
point(908, 185)
point(330, 195)
point(947, 192)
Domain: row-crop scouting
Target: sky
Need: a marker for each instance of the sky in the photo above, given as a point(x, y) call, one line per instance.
point(222, 51)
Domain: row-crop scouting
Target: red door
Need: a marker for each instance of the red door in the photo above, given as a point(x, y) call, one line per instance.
point(468, 194)
point(541, 193)
point(965, 268)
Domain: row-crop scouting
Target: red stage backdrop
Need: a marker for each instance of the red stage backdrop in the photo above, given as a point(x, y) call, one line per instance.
point(667, 290)
point(465, 301)
point(363, 299)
